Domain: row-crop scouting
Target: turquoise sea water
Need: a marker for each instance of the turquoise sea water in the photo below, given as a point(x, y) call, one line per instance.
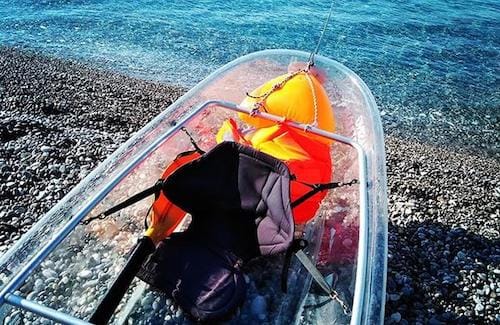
point(415, 55)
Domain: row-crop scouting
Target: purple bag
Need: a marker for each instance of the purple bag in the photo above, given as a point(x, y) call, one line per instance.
point(207, 283)
point(239, 199)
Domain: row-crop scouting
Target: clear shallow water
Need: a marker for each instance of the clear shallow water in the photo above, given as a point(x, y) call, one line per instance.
point(416, 56)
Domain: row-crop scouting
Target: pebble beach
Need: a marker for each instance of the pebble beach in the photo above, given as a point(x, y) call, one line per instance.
point(59, 119)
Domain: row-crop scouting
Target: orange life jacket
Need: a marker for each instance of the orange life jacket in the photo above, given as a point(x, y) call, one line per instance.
point(165, 210)
point(307, 159)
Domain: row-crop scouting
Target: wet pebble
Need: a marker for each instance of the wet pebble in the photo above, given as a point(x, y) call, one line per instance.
point(396, 317)
point(259, 307)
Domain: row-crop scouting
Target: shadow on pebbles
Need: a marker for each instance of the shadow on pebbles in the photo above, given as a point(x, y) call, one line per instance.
point(59, 119)
point(444, 230)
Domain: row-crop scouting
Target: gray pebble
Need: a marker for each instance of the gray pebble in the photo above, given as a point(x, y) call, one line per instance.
point(49, 273)
point(396, 317)
point(84, 274)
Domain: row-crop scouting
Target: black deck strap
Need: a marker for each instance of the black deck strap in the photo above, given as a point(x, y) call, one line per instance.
point(188, 153)
point(316, 188)
point(146, 226)
point(297, 244)
point(155, 189)
point(193, 142)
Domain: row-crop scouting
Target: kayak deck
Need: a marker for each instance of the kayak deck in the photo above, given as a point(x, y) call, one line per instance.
point(77, 262)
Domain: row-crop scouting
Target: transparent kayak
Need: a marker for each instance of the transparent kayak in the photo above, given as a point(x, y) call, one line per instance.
point(61, 268)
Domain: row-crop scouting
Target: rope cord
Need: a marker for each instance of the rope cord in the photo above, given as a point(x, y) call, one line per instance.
point(315, 100)
point(275, 87)
point(193, 142)
point(261, 103)
point(316, 49)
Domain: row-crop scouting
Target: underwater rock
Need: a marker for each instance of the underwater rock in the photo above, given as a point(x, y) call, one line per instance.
point(259, 307)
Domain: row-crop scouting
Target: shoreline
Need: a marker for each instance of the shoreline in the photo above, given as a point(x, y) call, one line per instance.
point(59, 119)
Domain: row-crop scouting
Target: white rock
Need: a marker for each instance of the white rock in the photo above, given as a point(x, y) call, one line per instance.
point(90, 284)
point(48, 273)
point(84, 274)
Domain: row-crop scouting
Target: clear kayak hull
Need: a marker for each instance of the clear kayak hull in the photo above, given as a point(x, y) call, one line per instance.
point(61, 268)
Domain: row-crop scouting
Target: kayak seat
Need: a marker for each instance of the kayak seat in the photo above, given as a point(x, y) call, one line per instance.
point(239, 200)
